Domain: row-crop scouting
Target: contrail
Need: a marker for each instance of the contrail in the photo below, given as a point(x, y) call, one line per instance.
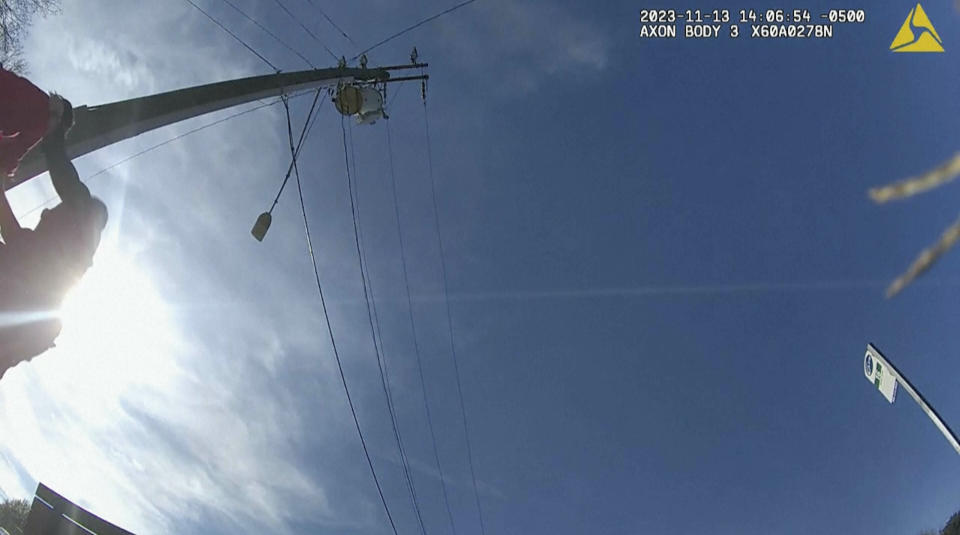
point(656, 291)
point(595, 293)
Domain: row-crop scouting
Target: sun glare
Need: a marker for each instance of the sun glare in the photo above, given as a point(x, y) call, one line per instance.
point(118, 342)
point(117, 330)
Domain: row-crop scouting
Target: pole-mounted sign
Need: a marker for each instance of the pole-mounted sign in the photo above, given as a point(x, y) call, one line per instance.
point(885, 377)
point(880, 373)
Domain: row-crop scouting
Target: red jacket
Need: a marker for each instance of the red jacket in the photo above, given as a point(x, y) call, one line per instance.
point(24, 114)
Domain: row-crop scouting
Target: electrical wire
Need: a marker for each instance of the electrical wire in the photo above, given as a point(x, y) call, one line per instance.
point(333, 343)
point(302, 25)
point(395, 93)
point(388, 391)
point(268, 32)
point(404, 459)
point(293, 162)
point(171, 140)
point(415, 26)
point(374, 320)
point(334, 24)
point(413, 329)
point(446, 300)
point(241, 41)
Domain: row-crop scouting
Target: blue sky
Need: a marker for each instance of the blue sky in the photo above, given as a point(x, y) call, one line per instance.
point(663, 271)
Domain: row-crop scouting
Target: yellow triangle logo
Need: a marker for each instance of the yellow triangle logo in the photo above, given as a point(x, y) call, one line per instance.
point(917, 34)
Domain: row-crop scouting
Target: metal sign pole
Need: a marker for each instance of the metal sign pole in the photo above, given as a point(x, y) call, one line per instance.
point(918, 397)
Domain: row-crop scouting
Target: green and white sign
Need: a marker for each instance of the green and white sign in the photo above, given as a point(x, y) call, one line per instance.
point(885, 377)
point(880, 373)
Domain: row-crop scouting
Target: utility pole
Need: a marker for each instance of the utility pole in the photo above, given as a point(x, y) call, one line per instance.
point(98, 126)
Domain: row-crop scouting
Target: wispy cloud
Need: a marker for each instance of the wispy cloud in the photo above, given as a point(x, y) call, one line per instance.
point(526, 43)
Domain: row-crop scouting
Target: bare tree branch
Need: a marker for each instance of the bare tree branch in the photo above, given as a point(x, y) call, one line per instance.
point(15, 19)
point(11, 59)
point(914, 185)
point(926, 259)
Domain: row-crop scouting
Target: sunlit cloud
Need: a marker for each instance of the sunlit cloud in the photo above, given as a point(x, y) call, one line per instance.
point(193, 384)
point(156, 409)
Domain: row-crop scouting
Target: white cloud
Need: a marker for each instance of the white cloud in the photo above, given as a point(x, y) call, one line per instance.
point(226, 407)
point(97, 59)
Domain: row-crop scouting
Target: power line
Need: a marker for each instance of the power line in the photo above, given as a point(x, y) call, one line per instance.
point(385, 377)
point(385, 380)
point(446, 300)
point(333, 343)
point(302, 25)
point(395, 93)
point(241, 41)
point(268, 32)
point(195, 130)
point(171, 140)
point(413, 329)
point(374, 325)
point(417, 25)
point(334, 24)
point(296, 153)
point(175, 138)
point(314, 122)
